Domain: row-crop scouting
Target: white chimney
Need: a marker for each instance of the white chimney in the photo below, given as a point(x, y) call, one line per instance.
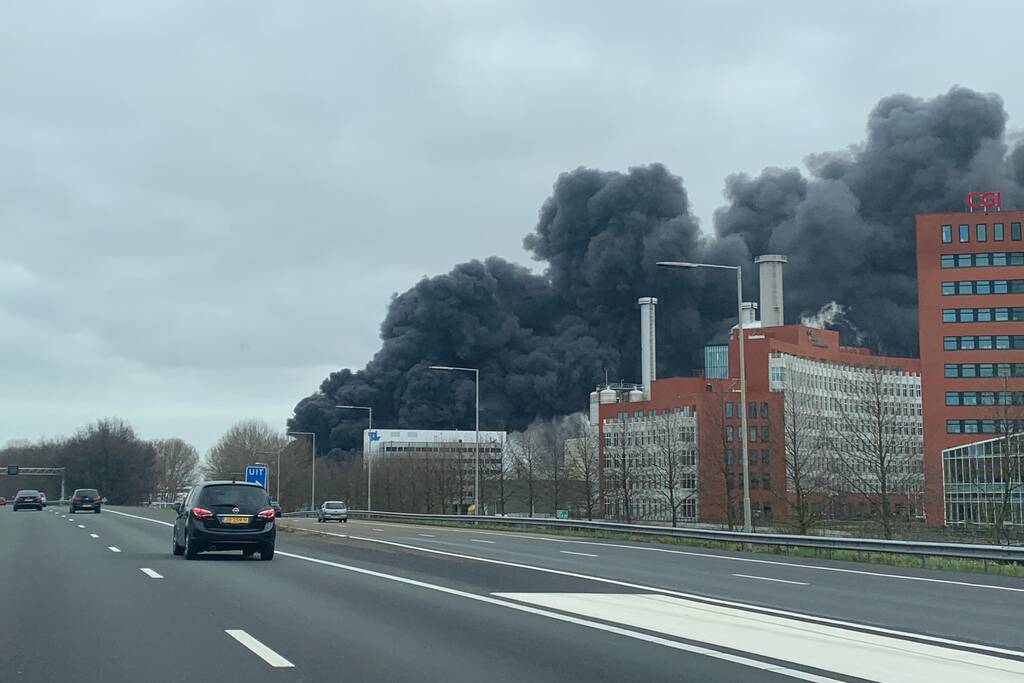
point(648, 355)
point(770, 268)
point(749, 309)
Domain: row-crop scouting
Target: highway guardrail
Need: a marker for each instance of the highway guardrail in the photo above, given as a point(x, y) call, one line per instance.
point(921, 549)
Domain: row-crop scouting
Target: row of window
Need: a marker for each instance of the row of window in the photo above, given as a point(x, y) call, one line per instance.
point(951, 287)
point(983, 370)
point(678, 410)
point(730, 434)
point(733, 409)
point(752, 454)
point(982, 315)
point(764, 481)
point(983, 426)
point(982, 259)
point(983, 342)
point(963, 232)
point(984, 398)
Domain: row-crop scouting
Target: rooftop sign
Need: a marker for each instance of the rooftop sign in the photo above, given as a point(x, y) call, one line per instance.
point(986, 201)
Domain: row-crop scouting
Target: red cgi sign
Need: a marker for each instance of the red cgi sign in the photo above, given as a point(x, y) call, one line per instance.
point(984, 200)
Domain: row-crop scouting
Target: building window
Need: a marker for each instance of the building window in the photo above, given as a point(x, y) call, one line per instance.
point(952, 398)
point(752, 410)
point(765, 457)
point(764, 410)
point(948, 288)
point(997, 232)
point(947, 234)
point(948, 261)
point(1015, 232)
point(728, 409)
point(965, 232)
point(638, 413)
point(952, 426)
point(949, 370)
point(949, 343)
point(764, 434)
point(753, 435)
point(652, 413)
point(949, 315)
point(728, 456)
point(981, 232)
point(728, 433)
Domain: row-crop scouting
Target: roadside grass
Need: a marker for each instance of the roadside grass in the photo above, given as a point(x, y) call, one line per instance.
point(1011, 569)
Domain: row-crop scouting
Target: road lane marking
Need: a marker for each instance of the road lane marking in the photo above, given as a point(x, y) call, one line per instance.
point(765, 578)
point(378, 530)
point(569, 552)
point(150, 573)
point(864, 656)
point(259, 649)
point(81, 526)
point(480, 540)
point(607, 628)
point(426, 535)
point(95, 535)
point(647, 589)
point(113, 549)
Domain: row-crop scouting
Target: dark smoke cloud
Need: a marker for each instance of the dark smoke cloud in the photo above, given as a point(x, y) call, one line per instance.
point(542, 342)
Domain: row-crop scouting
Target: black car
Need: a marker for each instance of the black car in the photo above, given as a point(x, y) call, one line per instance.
point(85, 499)
point(225, 515)
point(28, 498)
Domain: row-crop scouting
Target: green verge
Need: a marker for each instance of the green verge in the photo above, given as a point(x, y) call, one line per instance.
point(891, 559)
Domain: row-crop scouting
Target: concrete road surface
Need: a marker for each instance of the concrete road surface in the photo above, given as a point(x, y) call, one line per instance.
point(100, 597)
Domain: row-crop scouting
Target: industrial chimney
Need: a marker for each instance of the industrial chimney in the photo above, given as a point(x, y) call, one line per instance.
point(648, 354)
point(770, 268)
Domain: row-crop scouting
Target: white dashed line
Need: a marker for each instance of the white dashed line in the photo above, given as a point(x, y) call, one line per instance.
point(378, 530)
point(426, 535)
point(81, 526)
point(569, 552)
point(480, 540)
point(765, 578)
point(95, 535)
point(259, 649)
point(113, 549)
point(150, 573)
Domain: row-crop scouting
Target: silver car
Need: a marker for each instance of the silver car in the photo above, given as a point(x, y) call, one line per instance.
point(334, 510)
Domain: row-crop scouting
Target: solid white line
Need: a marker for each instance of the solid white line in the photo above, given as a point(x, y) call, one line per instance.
point(569, 552)
point(94, 535)
point(765, 578)
point(150, 573)
point(685, 647)
point(81, 526)
point(259, 649)
point(114, 549)
point(651, 589)
point(480, 540)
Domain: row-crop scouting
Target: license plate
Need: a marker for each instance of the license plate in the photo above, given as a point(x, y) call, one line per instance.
point(235, 520)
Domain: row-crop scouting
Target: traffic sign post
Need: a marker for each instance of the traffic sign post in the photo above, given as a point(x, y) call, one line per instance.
point(256, 474)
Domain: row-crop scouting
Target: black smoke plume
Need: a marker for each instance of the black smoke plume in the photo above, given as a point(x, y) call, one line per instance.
point(543, 342)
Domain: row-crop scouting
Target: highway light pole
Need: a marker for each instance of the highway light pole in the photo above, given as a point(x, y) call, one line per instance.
point(743, 375)
point(312, 491)
point(366, 456)
point(476, 485)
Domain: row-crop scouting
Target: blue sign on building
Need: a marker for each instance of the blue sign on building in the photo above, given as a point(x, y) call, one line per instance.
point(256, 474)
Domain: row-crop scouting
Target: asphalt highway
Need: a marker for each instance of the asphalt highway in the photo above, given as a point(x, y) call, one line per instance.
point(100, 597)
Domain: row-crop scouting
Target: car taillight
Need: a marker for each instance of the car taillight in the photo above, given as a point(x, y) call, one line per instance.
point(201, 513)
point(266, 514)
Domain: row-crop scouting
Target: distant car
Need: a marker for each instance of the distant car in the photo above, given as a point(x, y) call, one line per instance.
point(43, 497)
point(28, 498)
point(3, 501)
point(333, 510)
point(86, 499)
point(225, 515)
point(278, 511)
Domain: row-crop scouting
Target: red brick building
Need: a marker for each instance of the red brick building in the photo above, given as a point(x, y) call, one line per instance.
point(970, 276)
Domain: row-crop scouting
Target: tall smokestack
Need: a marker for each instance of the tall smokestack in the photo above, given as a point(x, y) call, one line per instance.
point(770, 268)
point(648, 353)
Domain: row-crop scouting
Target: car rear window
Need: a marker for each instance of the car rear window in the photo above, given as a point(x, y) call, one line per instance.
point(88, 492)
point(336, 505)
point(28, 492)
point(235, 496)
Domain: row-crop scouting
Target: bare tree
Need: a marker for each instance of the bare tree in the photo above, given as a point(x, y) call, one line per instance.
point(877, 442)
point(1005, 473)
point(717, 446)
point(621, 475)
point(806, 469)
point(583, 460)
point(234, 450)
point(526, 453)
point(551, 437)
point(177, 465)
point(673, 451)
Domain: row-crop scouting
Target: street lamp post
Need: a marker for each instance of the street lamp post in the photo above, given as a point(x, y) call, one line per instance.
point(277, 472)
point(743, 376)
point(476, 484)
point(369, 462)
point(312, 490)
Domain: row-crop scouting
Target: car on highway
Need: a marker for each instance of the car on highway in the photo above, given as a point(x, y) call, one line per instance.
point(333, 510)
point(85, 499)
point(225, 515)
point(42, 496)
point(28, 499)
point(278, 510)
point(3, 502)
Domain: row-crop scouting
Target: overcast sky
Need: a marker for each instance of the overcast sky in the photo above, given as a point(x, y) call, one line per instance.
point(206, 206)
